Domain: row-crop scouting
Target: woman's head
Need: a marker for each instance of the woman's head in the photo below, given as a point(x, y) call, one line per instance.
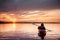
point(42, 24)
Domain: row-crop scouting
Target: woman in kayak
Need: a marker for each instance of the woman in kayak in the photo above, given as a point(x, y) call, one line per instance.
point(41, 31)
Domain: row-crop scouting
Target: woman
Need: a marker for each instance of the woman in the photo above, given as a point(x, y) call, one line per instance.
point(41, 31)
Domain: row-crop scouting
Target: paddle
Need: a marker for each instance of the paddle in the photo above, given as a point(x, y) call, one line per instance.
point(38, 25)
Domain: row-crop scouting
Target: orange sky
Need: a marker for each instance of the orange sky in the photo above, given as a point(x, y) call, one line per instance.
point(31, 15)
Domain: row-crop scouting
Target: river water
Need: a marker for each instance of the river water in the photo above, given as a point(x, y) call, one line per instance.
point(28, 31)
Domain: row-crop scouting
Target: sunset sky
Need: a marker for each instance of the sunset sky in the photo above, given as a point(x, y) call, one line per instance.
point(30, 10)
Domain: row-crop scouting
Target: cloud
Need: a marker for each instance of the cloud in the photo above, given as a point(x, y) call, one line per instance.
point(11, 5)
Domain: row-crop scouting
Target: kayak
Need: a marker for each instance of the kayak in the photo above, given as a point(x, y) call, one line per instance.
point(42, 33)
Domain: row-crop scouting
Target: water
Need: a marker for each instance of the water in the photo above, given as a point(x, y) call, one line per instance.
point(28, 31)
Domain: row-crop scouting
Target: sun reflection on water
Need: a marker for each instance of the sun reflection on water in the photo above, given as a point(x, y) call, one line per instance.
point(14, 27)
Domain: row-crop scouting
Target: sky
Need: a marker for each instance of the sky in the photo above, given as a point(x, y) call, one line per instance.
point(30, 10)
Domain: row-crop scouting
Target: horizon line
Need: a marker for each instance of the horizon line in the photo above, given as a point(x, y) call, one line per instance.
point(31, 22)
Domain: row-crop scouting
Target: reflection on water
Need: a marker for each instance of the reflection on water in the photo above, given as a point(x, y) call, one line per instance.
point(29, 29)
point(18, 27)
point(7, 27)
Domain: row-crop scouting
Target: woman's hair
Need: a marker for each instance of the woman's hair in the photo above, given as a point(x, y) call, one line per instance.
point(42, 24)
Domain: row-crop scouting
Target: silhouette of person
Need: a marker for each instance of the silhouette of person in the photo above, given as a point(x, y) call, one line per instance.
point(41, 31)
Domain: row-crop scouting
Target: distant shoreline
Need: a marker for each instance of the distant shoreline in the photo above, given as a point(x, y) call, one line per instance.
point(30, 22)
